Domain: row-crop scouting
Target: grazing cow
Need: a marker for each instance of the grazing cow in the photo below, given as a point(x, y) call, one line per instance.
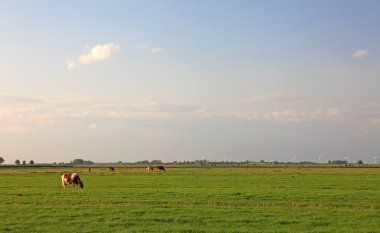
point(111, 169)
point(149, 168)
point(71, 178)
point(160, 168)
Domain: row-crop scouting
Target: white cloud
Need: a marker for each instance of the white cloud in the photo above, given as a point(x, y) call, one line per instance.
point(156, 50)
point(99, 52)
point(70, 64)
point(92, 126)
point(360, 54)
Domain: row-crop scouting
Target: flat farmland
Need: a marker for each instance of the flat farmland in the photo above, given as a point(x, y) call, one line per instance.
point(192, 199)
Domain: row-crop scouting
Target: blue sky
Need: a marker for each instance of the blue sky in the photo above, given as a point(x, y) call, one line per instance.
point(176, 80)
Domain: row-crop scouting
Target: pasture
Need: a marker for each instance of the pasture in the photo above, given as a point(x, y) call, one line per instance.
point(192, 199)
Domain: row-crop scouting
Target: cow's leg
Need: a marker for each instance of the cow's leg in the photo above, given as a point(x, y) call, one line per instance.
point(63, 183)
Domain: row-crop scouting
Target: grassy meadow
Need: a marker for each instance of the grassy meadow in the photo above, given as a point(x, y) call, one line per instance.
point(192, 199)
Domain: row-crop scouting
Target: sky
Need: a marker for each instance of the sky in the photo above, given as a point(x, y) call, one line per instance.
point(169, 80)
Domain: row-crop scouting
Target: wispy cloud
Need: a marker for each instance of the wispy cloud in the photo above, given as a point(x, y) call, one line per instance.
point(53, 109)
point(371, 112)
point(248, 116)
point(70, 64)
point(360, 54)
point(319, 115)
point(285, 116)
point(34, 112)
point(16, 129)
point(142, 46)
point(156, 50)
point(18, 99)
point(272, 96)
point(56, 109)
point(92, 126)
point(375, 121)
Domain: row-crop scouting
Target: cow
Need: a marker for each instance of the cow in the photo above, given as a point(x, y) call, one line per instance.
point(160, 168)
point(149, 168)
point(111, 169)
point(71, 178)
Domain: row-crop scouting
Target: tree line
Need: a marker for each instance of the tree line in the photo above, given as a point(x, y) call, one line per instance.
point(17, 161)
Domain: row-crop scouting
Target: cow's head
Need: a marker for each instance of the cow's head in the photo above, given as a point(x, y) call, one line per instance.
point(81, 184)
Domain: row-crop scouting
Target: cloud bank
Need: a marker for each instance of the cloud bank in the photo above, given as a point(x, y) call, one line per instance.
point(19, 113)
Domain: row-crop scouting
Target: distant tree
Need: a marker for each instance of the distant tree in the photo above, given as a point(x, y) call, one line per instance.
point(360, 162)
point(23, 162)
point(88, 162)
point(81, 162)
point(31, 162)
point(339, 162)
point(142, 162)
point(201, 162)
point(78, 161)
point(1, 160)
point(17, 162)
point(155, 162)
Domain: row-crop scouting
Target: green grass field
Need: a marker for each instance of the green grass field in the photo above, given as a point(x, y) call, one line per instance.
point(192, 199)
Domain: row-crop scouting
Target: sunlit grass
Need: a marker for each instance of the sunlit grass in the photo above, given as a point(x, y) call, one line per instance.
point(192, 199)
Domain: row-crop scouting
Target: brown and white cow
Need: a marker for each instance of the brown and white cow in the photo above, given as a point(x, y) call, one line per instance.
point(149, 168)
point(160, 168)
point(71, 178)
